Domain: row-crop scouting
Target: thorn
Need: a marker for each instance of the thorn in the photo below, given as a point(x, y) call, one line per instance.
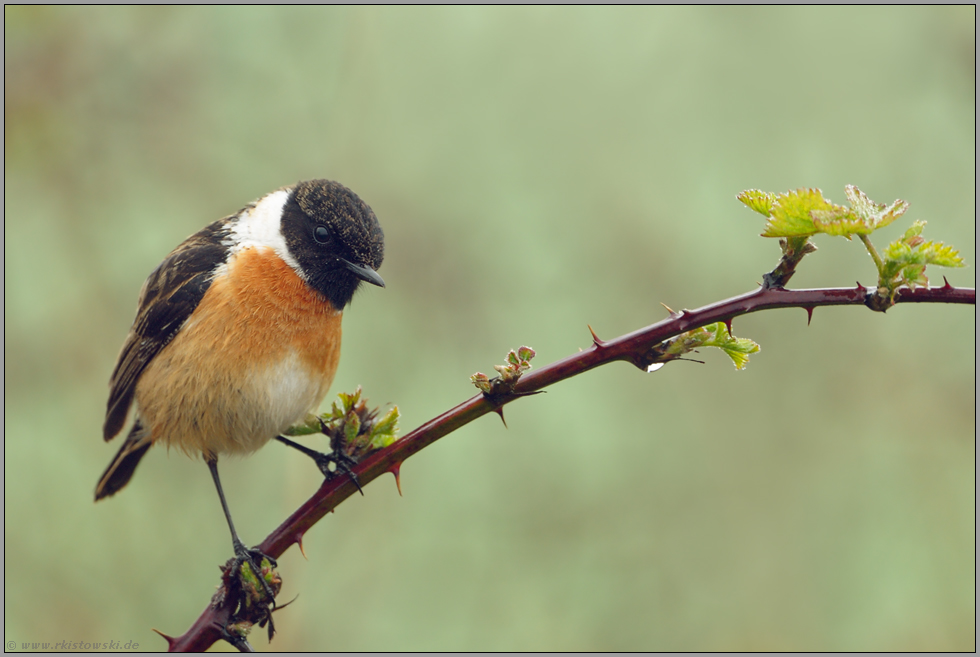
point(500, 411)
point(595, 339)
point(809, 314)
point(861, 288)
point(728, 325)
point(947, 286)
point(299, 542)
point(669, 309)
point(528, 394)
point(171, 642)
point(396, 470)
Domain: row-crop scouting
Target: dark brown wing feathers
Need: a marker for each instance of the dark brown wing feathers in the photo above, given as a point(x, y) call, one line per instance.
point(123, 465)
point(169, 296)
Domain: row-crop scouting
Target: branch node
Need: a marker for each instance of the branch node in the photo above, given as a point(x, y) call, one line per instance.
point(770, 281)
point(518, 362)
point(879, 300)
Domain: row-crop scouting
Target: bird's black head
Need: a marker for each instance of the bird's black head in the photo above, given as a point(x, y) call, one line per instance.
point(335, 238)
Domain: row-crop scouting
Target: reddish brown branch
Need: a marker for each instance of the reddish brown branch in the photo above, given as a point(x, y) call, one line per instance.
point(633, 347)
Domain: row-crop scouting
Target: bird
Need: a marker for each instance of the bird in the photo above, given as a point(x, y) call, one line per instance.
point(237, 332)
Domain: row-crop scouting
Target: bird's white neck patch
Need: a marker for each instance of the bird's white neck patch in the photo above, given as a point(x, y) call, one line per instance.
point(260, 226)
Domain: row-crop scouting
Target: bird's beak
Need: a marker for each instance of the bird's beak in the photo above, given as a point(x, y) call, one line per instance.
point(366, 274)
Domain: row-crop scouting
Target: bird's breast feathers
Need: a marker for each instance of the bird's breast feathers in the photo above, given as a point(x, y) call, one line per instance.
point(256, 355)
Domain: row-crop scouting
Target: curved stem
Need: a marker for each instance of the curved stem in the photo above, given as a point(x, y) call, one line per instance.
point(874, 253)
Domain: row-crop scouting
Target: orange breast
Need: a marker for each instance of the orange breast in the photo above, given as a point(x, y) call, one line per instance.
point(256, 355)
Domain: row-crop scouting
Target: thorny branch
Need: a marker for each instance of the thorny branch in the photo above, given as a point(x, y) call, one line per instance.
point(638, 348)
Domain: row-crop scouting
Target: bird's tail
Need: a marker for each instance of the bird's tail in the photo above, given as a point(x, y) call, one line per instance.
point(121, 470)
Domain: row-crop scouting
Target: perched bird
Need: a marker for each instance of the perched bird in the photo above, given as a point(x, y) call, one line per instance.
point(237, 332)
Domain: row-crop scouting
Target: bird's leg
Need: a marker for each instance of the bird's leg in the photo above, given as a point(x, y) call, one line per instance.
point(341, 462)
point(253, 556)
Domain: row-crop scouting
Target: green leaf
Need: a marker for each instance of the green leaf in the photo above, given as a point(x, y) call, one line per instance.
point(862, 218)
point(942, 255)
point(898, 252)
point(758, 200)
point(389, 423)
point(875, 215)
point(349, 401)
point(791, 213)
point(911, 248)
point(517, 364)
point(714, 335)
point(481, 381)
point(905, 259)
point(805, 212)
point(352, 428)
point(840, 221)
point(914, 275)
point(308, 425)
point(914, 230)
point(738, 349)
point(385, 430)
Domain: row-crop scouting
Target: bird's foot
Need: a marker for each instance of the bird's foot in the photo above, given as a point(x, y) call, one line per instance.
point(329, 464)
point(258, 576)
point(250, 579)
point(342, 464)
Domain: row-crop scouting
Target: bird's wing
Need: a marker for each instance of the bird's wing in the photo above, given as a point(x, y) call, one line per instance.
point(169, 296)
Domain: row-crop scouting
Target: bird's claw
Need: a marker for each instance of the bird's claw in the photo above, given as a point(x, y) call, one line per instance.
point(342, 463)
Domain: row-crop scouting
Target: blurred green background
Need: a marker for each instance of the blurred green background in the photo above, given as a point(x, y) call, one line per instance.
point(535, 170)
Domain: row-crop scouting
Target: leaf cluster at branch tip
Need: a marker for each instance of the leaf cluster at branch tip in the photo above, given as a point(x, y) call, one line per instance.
point(805, 212)
point(799, 214)
point(518, 362)
point(905, 259)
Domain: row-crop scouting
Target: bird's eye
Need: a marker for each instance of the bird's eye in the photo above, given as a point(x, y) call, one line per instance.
point(321, 234)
